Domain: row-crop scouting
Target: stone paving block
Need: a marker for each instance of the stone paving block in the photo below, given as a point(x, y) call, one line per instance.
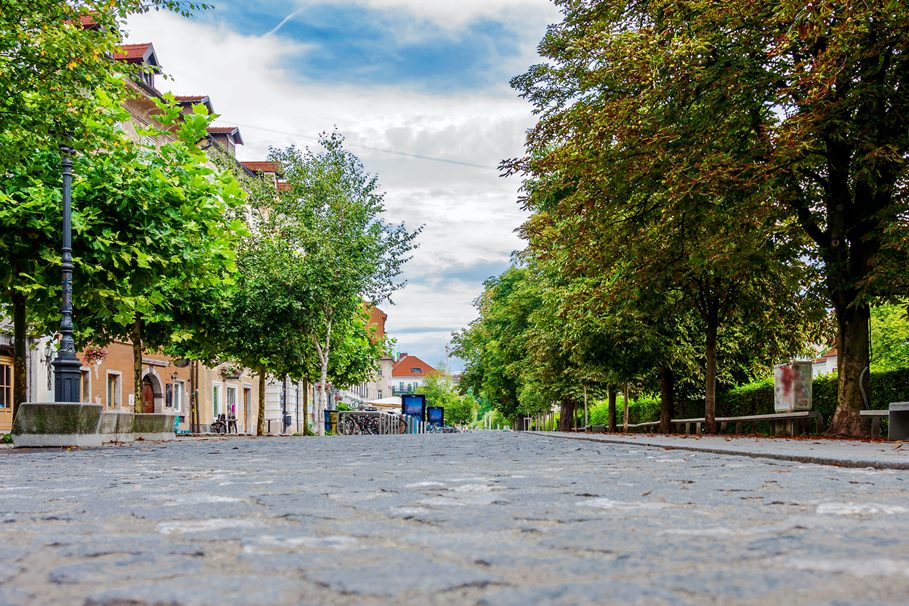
point(482, 518)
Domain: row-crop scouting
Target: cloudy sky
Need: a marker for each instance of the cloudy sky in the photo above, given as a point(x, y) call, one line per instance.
point(399, 79)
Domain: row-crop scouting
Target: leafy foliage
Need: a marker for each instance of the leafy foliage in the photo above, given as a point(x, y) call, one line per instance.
point(460, 409)
point(718, 167)
point(329, 216)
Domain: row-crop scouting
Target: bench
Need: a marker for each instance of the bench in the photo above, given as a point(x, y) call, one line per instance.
point(875, 416)
point(783, 423)
point(647, 425)
point(897, 415)
point(688, 423)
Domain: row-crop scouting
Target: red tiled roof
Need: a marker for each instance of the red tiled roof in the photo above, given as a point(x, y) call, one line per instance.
point(86, 21)
point(406, 364)
point(283, 186)
point(132, 53)
point(262, 167)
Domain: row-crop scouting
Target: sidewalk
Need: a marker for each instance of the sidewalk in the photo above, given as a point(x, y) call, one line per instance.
point(822, 451)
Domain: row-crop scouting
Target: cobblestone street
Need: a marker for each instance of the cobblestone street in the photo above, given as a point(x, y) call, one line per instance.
point(479, 518)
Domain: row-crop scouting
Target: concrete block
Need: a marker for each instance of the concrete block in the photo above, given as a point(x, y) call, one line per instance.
point(898, 426)
point(154, 426)
point(117, 427)
point(56, 424)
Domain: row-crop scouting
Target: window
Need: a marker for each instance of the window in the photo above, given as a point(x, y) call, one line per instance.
point(113, 390)
point(380, 395)
point(231, 400)
point(178, 397)
point(86, 385)
point(6, 383)
point(416, 371)
point(215, 400)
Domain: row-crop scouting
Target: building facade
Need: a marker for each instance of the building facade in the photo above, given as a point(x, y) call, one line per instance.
point(408, 374)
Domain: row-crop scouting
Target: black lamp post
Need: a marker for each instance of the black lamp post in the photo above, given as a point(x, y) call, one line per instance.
point(67, 373)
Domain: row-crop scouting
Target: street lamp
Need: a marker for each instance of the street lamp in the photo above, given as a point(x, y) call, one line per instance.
point(67, 373)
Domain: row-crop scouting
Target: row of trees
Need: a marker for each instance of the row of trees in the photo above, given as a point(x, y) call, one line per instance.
point(707, 183)
point(176, 249)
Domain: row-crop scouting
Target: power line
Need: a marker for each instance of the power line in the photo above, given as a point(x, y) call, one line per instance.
point(375, 149)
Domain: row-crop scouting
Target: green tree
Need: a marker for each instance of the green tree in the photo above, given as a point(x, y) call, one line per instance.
point(766, 114)
point(459, 409)
point(163, 231)
point(58, 86)
point(331, 213)
point(496, 345)
point(890, 336)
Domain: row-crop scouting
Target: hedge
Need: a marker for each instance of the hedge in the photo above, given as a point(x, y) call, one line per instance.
point(757, 398)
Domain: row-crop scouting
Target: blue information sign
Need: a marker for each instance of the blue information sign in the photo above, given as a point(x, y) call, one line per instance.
point(435, 415)
point(414, 405)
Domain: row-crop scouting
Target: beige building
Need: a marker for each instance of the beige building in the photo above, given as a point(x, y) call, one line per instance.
point(166, 386)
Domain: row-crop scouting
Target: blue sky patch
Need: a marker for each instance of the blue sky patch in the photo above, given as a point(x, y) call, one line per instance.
point(360, 46)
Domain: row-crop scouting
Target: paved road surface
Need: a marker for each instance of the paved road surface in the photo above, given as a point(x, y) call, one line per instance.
point(482, 518)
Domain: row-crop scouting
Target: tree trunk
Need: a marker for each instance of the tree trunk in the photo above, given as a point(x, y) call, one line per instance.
point(305, 408)
point(324, 353)
point(667, 399)
point(611, 409)
point(625, 408)
point(852, 362)
point(567, 409)
point(135, 336)
point(260, 414)
point(710, 386)
point(20, 351)
point(586, 415)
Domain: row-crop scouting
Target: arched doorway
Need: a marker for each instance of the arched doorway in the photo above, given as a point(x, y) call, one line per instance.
point(150, 391)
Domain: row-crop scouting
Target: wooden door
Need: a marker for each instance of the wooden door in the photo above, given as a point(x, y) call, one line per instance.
point(247, 410)
point(6, 393)
point(148, 397)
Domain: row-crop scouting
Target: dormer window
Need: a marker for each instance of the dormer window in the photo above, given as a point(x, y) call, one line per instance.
point(416, 371)
point(141, 54)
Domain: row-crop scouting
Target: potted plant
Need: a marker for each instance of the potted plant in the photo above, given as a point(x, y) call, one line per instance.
point(230, 370)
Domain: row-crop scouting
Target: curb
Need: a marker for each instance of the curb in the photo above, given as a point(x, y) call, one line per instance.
point(812, 459)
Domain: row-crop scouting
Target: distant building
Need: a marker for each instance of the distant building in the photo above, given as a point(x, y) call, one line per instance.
point(379, 386)
point(409, 373)
point(825, 364)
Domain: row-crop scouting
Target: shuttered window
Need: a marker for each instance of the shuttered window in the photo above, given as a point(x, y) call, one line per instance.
point(6, 383)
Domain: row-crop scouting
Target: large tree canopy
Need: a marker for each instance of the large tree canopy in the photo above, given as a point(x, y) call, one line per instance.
point(737, 141)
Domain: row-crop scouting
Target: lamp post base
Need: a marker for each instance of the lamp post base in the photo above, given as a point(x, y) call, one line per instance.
point(67, 379)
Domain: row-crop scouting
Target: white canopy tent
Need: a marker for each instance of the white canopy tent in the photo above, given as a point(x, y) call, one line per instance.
point(390, 403)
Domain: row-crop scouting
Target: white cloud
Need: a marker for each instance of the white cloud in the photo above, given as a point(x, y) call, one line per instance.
point(456, 15)
point(469, 214)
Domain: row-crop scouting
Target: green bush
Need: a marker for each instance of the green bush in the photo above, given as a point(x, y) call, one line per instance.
point(641, 410)
point(757, 398)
